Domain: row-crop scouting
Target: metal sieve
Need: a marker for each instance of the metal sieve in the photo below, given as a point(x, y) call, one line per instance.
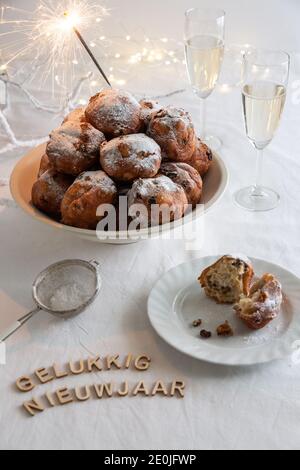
point(64, 289)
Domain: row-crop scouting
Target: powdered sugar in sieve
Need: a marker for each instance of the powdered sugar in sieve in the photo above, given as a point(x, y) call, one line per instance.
point(66, 287)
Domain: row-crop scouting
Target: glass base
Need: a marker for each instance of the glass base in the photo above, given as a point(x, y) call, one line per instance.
point(257, 201)
point(213, 142)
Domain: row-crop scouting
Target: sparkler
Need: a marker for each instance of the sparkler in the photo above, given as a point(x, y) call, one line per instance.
point(46, 37)
point(72, 23)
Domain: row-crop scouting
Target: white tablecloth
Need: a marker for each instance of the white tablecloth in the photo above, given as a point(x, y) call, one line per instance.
point(224, 407)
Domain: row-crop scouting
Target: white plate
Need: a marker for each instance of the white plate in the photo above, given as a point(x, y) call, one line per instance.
point(177, 300)
point(25, 174)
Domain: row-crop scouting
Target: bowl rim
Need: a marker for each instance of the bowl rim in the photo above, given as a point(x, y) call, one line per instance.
point(29, 209)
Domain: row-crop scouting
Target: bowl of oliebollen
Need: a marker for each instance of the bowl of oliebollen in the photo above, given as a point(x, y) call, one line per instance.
point(120, 170)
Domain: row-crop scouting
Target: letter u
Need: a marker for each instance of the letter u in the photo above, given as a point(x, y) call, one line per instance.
point(77, 369)
point(84, 394)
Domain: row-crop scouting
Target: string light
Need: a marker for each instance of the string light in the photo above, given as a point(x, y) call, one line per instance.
point(156, 54)
point(225, 88)
point(149, 52)
point(70, 103)
point(48, 37)
point(60, 52)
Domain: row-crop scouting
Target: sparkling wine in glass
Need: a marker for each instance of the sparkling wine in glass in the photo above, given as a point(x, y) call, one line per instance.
point(204, 50)
point(266, 76)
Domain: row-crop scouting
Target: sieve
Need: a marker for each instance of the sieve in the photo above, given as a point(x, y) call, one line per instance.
point(64, 289)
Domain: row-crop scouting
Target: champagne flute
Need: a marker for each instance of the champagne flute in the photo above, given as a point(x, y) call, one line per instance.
point(266, 75)
point(204, 50)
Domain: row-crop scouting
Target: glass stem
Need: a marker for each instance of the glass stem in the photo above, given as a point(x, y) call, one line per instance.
point(203, 119)
point(257, 189)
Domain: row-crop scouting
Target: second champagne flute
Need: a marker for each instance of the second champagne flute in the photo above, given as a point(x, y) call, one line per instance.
point(204, 49)
point(266, 75)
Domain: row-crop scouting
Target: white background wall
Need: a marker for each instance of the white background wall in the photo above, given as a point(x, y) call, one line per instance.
point(263, 23)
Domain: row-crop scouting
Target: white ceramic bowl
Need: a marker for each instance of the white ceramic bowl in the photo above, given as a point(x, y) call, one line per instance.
point(25, 174)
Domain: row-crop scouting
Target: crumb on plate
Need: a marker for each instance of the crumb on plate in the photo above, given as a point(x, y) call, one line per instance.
point(225, 330)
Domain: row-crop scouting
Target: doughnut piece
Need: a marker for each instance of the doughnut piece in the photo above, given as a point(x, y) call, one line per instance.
point(77, 114)
point(187, 177)
point(130, 157)
point(74, 147)
point(149, 108)
point(48, 192)
point(227, 279)
point(202, 158)
point(174, 132)
point(169, 199)
point(44, 165)
point(115, 113)
point(263, 304)
point(87, 193)
point(123, 219)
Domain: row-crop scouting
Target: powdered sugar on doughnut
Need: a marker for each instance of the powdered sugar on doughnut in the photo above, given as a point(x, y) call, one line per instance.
point(147, 188)
point(83, 199)
point(156, 193)
point(202, 158)
point(114, 112)
point(187, 177)
point(170, 117)
point(74, 147)
point(99, 179)
point(48, 191)
point(149, 108)
point(240, 256)
point(130, 157)
point(173, 130)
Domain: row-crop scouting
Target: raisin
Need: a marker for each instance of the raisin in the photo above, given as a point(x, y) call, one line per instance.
point(226, 290)
point(209, 156)
point(205, 334)
point(152, 200)
point(238, 263)
point(171, 174)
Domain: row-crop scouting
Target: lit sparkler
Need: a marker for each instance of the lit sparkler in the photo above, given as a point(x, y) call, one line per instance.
point(46, 37)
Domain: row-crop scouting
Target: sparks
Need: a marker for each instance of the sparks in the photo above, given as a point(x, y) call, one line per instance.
point(46, 39)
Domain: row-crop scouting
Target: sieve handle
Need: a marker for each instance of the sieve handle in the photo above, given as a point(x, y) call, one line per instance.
point(95, 263)
point(17, 325)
